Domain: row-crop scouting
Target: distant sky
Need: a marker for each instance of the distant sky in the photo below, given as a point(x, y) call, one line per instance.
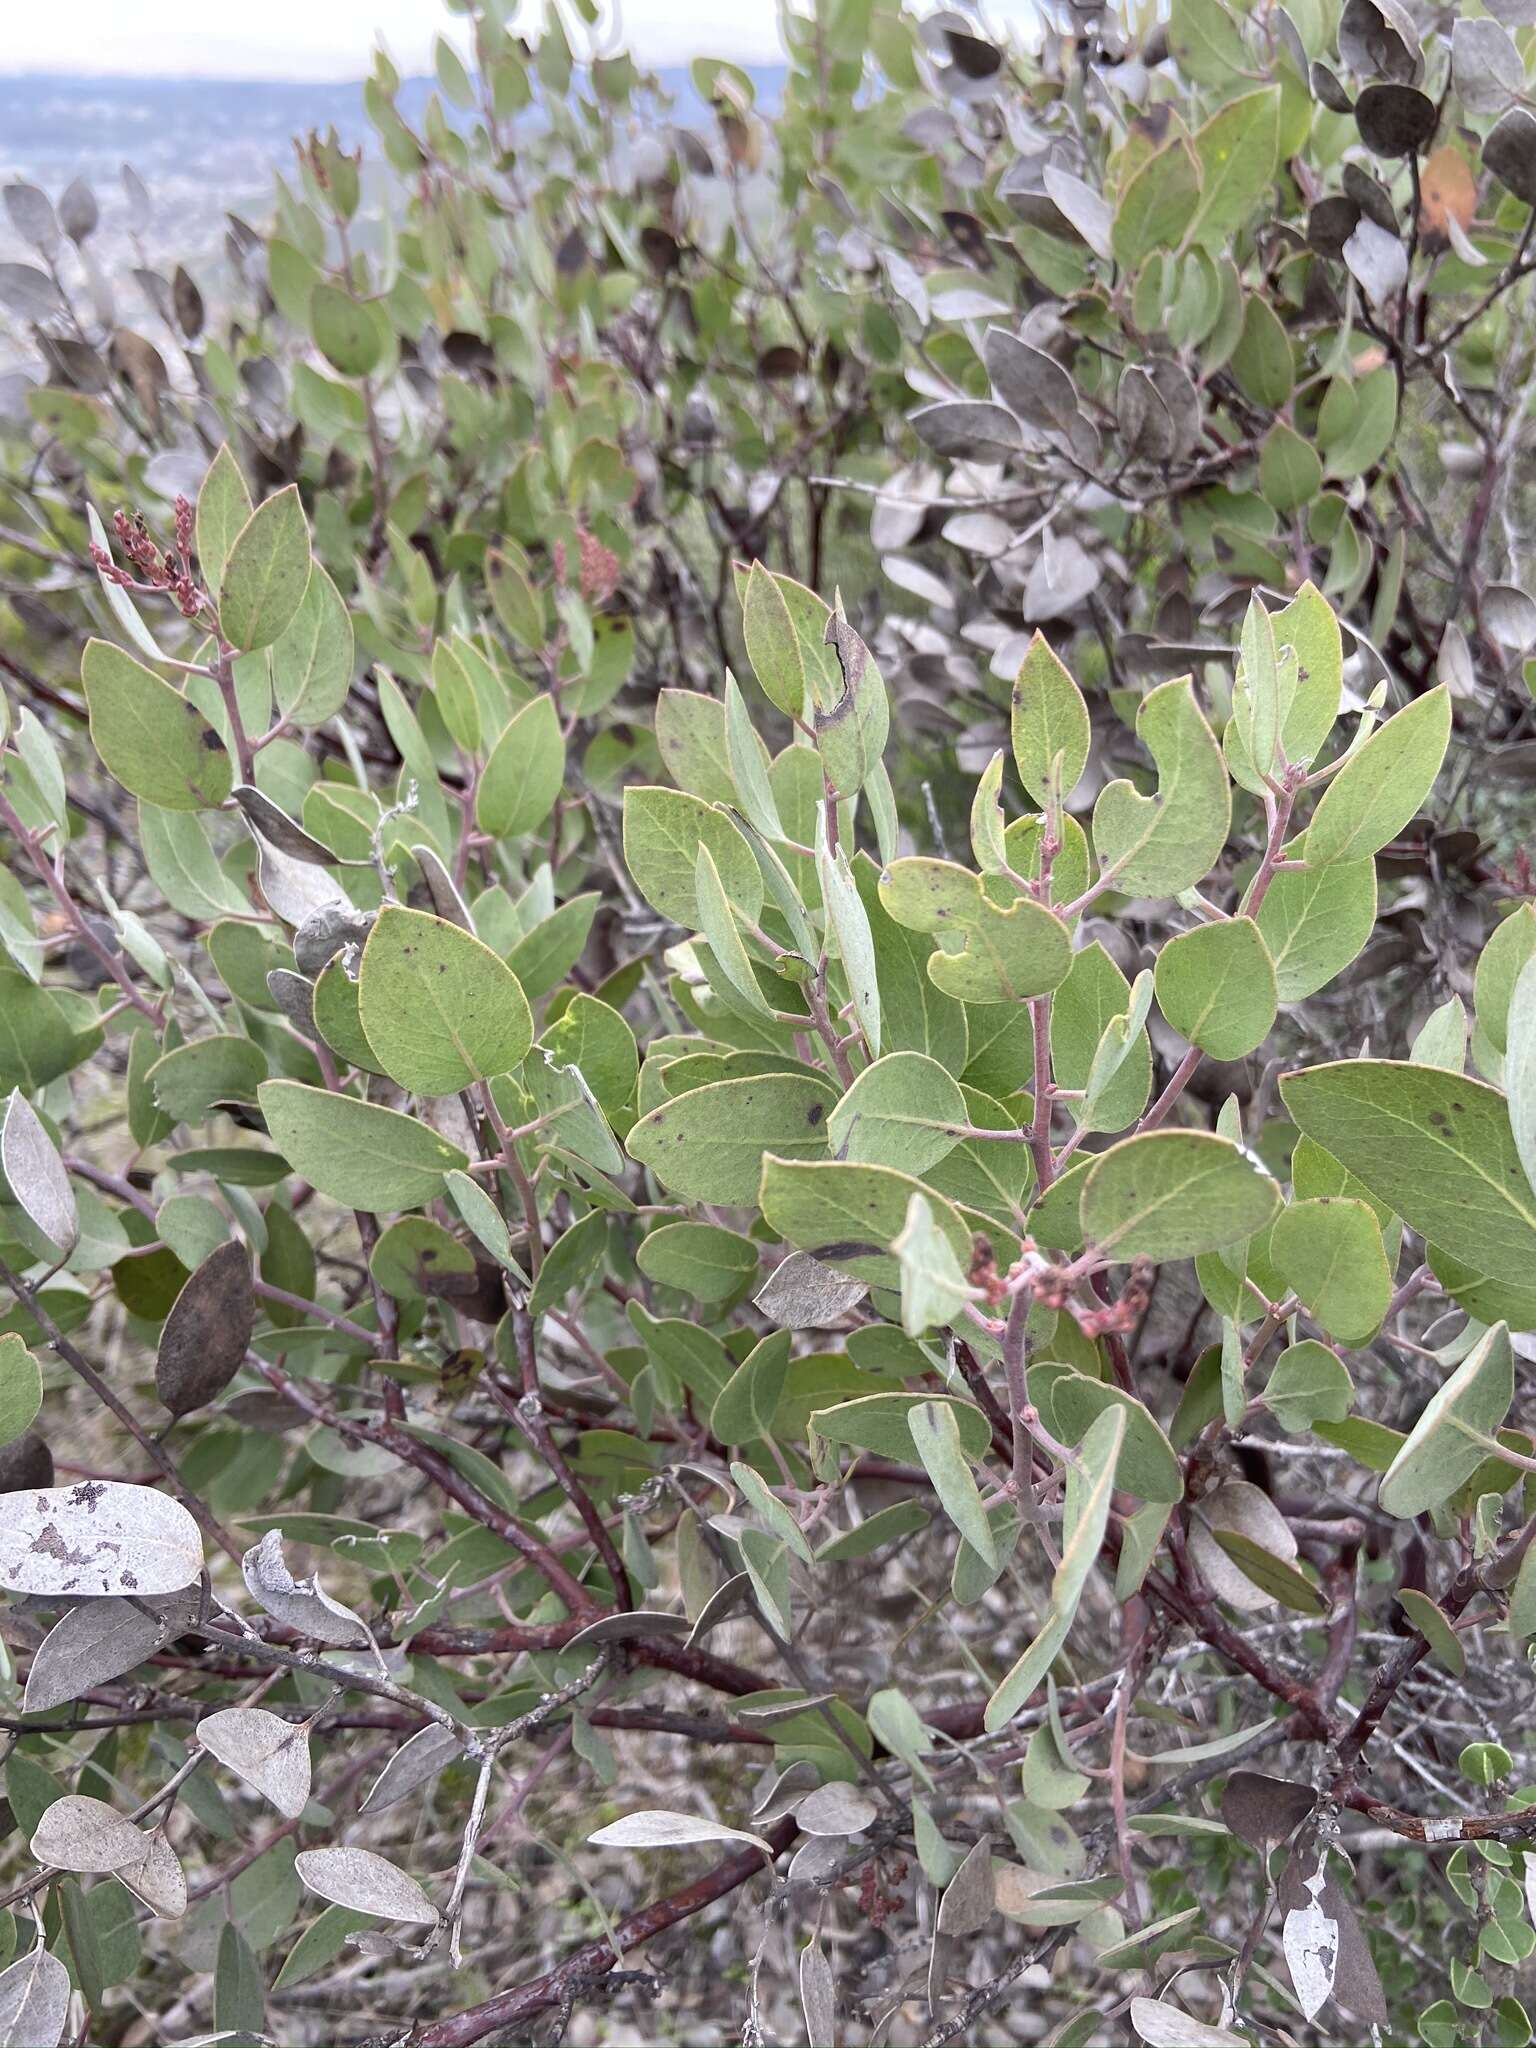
point(333, 38)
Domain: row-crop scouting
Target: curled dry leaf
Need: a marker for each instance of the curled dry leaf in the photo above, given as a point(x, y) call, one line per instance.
point(365, 1882)
point(302, 1603)
point(268, 1752)
point(98, 1537)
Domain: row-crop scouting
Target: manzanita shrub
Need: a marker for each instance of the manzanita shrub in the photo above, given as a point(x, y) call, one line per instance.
point(578, 1373)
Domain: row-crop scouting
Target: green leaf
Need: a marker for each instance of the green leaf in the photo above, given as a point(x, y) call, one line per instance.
point(878, 1423)
point(514, 601)
point(149, 737)
point(744, 1408)
point(718, 927)
point(1447, 1443)
point(1309, 1383)
point(663, 830)
point(708, 1145)
point(936, 1434)
point(438, 1007)
point(1090, 1485)
point(21, 1388)
point(701, 1259)
point(191, 1080)
point(1436, 1147)
point(1162, 845)
point(1434, 1628)
point(1216, 986)
point(850, 1216)
point(1290, 469)
point(934, 1287)
point(691, 734)
point(1271, 1574)
point(1329, 1253)
point(1049, 718)
point(359, 1154)
point(899, 1112)
point(312, 660)
point(1257, 700)
point(853, 723)
point(1310, 690)
point(1315, 920)
point(266, 573)
point(747, 757)
point(988, 954)
point(1381, 786)
point(352, 334)
point(1236, 149)
point(1173, 1194)
point(773, 645)
point(1113, 1066)
point(848, 928)
point(1262, 362)
point(223, 507)
point(1148, 1466)
point(1520, 1068)
point(1499, 966)
point(1157, 204)
point(524, 774)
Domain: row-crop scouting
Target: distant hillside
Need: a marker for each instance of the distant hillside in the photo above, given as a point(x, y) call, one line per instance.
point(200, 145)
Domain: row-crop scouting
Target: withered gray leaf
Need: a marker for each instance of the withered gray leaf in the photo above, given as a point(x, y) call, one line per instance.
point(269, 1753)
point(279, 830)
point(1033, 384)
point(446, 900)
point(414, 1763)
point(968, 429)
point(818, 1996)
point(836, 1809)
point(34, 2001)
point(1509, 151)
point(302, 1603)
point(295, 997)
point(1264, 1811)
point(1083, 209)
point(33, 218)
point(971, 1894)
point(29, 291)
point(204, 1337)
point(1377, 261)
point(1510, 617)
point(157, 1879)
point(1395, 120)
point(1488, 68)
point(98, 1536)
point(78, 211)
point(365, 1882)
point(80, 1833)
point(100, 1640)
point(803, 1294)
point(35, 1175)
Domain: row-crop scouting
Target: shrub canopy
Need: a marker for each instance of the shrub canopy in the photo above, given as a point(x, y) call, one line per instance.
point(743, 1023)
